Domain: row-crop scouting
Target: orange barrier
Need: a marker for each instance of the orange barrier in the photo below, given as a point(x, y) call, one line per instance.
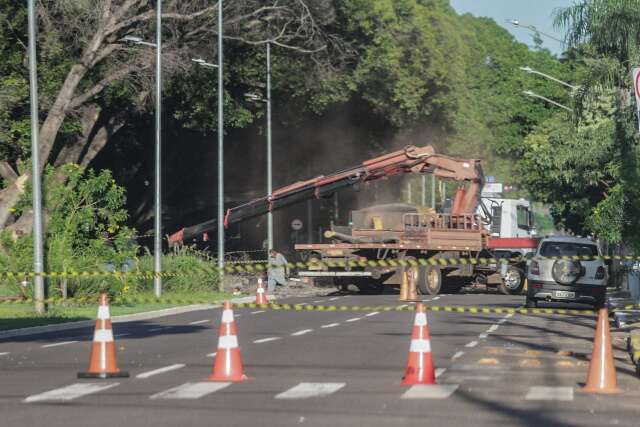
point(103, 363)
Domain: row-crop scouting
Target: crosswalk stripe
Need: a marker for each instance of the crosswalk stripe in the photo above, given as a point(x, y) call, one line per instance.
point(191, 390)
point(434, 391)
point(56, 344)
point(160, 370)
point(308, 390)
point(549, 393)
point(70, 392)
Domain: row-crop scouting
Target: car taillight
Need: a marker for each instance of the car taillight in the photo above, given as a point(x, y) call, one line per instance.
point(535, 268)
point(600, 273)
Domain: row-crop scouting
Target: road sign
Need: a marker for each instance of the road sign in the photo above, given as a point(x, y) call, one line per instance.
point(494, 188)
point(296, 224)
point(490, 179)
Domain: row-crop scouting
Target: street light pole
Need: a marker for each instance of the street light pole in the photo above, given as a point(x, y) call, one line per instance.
point(220, 151)
point(551, 101)
point(157, 247)
point(518, 23)
point(269, 154)
point(530, 70)
point(38, 257)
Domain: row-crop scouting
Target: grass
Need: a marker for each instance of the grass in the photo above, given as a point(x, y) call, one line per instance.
point(23, 315)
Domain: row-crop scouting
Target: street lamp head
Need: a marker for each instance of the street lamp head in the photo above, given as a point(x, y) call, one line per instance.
point(253, 97)
point(513, 22)
point(527, 69)
point(528, 93)
point(132, 39)
point(198, 60)
point(204, 63)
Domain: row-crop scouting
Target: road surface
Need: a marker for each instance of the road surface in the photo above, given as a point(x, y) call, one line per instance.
point(320, 369)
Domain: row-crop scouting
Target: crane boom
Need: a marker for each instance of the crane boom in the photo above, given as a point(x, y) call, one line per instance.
point(411, 159)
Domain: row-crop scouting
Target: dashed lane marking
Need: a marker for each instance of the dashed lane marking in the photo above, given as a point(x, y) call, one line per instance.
point(198, 322)
point(471, 344)
point(457, 355)
point(483, 335)
point(501, 321)
point(266, 340)
point(302, 332)
point(435, 298)
point(124, 334)
point(56, 344)
point(160, 370)
point(308, 390)
point(354, 319)
point(403, 306)
point(159, 329)
point(191, 390)
point(258, 312)
point(70, 392)
point(212, 354)
point(330, 325)
point(508, 316)
point(549, 393)
point(493, 328)
point(317, 301)
point(373, 313)
point(440, 371)
point(4, 353)
point(433, 391)
point(333, 299)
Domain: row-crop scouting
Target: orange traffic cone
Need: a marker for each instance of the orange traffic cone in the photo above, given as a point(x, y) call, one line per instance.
point(103, 362)
point(228, 363)
point(602, 370)
point(261, 293)
point(420, 365)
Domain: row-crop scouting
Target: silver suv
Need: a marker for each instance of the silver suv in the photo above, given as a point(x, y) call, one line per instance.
point(554, 279)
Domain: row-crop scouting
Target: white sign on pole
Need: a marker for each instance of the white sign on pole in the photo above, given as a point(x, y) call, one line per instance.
point(492, 188)
point(636, 91)
point(296, 224)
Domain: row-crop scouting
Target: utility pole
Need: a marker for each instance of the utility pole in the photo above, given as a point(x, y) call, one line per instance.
point(38, 257)
point(269, 154)
point(220, 151)
point(157, 240)
point(433, 192)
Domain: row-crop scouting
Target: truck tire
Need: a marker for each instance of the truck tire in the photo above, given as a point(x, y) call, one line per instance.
point(430, 280)
point(513, 282)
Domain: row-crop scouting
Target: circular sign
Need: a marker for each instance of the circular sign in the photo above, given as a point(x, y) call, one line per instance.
point(296, 224)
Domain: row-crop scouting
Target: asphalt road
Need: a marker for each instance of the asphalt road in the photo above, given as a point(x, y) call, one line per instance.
point(495, 370)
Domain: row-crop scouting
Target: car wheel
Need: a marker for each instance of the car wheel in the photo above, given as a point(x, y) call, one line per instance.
point(513, 281)
point(430, 281)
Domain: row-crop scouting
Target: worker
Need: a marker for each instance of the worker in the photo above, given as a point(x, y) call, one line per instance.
point(278, 271)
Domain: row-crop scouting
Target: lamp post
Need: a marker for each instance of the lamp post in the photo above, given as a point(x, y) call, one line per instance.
point(530, 70)
point(520, 24)
point(38, 257)
point(551, 101)
point(256, 98)
point(157, 223)
point(220, 150)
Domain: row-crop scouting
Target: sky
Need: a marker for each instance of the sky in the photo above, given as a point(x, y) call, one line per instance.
point(538, 13)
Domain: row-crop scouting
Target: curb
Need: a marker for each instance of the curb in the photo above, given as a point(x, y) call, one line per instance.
point(34, 330)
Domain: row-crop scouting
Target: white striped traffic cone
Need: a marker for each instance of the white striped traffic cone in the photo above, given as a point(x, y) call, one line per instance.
point(420, 364)
point(102, 363)
point(261, 293)
point(228, 363)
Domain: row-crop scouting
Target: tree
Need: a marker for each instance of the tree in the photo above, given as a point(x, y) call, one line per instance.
point(91, 78)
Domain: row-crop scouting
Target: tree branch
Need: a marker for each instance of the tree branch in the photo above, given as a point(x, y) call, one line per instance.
point(7, 173)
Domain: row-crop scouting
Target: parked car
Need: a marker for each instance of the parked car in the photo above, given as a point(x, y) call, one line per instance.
point(553, 279)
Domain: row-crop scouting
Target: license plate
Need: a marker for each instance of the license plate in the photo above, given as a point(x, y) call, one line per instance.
point(564, 294)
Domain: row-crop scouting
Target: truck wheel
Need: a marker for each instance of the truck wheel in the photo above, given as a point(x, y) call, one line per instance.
point(430, 281)
point(513, 282)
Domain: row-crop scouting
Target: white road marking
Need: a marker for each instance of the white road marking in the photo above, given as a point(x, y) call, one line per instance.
point(191, 390)
point(373, 313)
point(266, 340)
point(550, 393)
point(330, 325)
point(508, 316)
point(316, 301)
point(457, 355)
point(308, 390)
point(159, 329)
point(493, 328)
point(426, 300)
point(436, 298)
point(4, 353)
point(440, 371)
point(258, 312)
point(434, 391)
point(212, 354)
point(355, 319)
point(58, 344)
point(402, 306)
point(333, 299)
point(124, 334)
point(302, 332)
point(483, 336)
point(472, 344)
point(198, 322)
point(502, 321)
point(160, 370)
point(70, 392)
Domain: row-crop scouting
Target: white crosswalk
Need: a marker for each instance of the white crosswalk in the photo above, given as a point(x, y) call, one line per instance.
point(304, 390)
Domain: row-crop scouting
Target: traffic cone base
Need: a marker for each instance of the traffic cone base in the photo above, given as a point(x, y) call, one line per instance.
point(602, 370)
point(103, 363)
